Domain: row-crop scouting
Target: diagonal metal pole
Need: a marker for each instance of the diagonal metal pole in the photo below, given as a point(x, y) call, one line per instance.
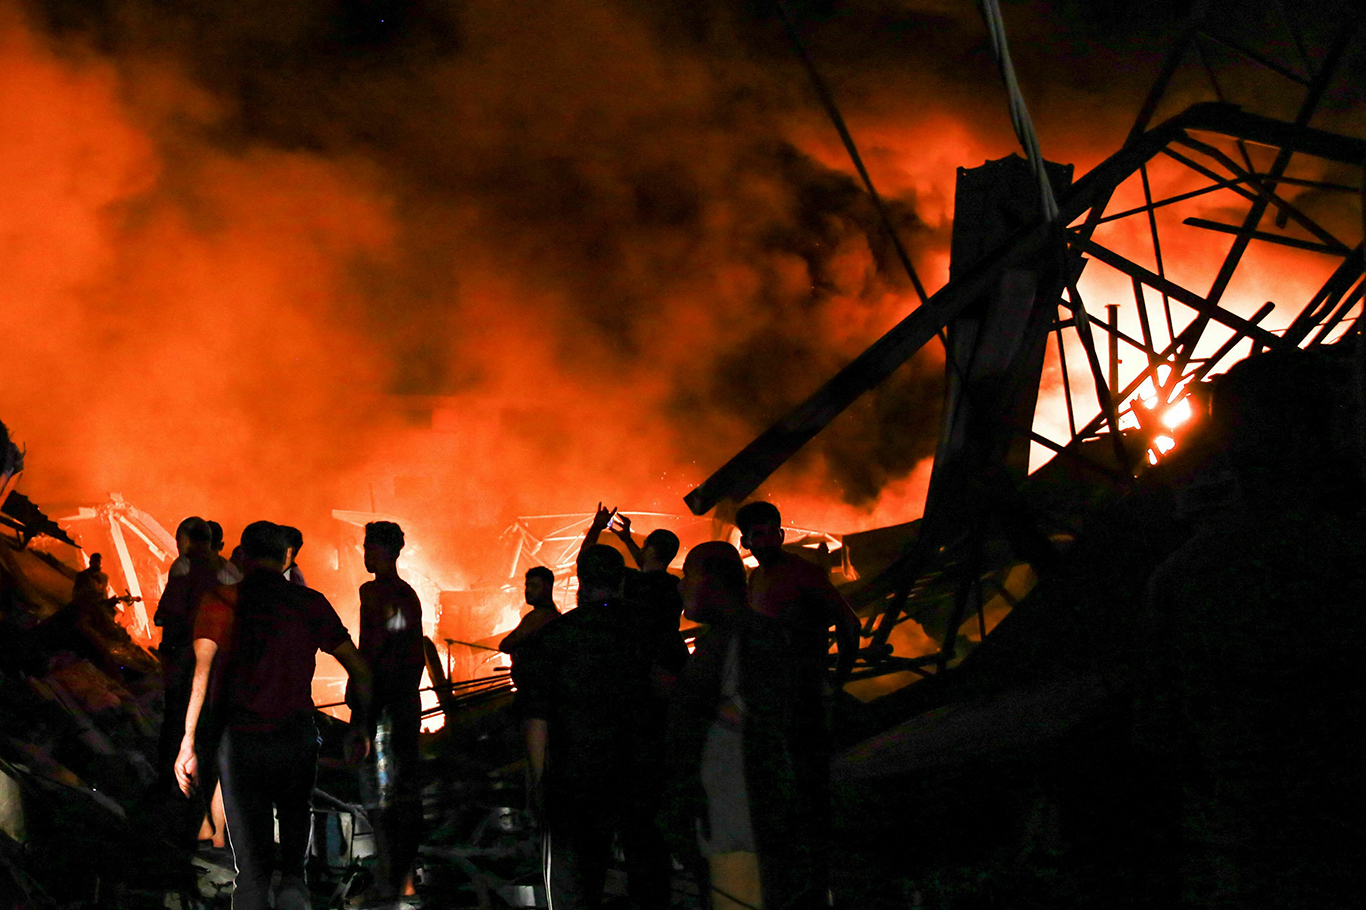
point(1157, 249)
point(1254, 215)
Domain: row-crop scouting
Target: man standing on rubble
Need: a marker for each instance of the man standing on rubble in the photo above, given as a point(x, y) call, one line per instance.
point(391, 644)
point(268, 632)
point(592, 695)
point(799, 595)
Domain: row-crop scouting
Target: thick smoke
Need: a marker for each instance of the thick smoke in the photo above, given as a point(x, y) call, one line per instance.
point(615, 239)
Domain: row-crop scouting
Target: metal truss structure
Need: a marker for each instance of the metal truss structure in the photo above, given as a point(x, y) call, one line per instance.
point(144, 551)
point(1135, 240)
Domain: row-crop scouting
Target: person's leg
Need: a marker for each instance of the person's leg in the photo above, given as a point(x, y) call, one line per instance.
point(404, 819)
point(245, 774)
point(649, 870)
point(595, 852)
point(296, 773)
point(735, 881)
point(812, 768)
point(574, 856)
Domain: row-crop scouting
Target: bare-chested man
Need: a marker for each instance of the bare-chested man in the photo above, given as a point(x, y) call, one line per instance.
point(391, 643)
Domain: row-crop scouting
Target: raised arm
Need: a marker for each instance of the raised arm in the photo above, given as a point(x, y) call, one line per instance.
point(187, 762)
point(601, 520)
point(623, 531)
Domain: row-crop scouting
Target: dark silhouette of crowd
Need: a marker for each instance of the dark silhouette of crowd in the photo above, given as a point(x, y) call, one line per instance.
point(717, 759)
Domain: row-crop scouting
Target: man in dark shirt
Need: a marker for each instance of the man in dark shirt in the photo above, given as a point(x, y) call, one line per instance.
point(799, 595)
point(650, 587)
point(268, 632)
point(391, 644)
point(593, 698)
point(192, 575)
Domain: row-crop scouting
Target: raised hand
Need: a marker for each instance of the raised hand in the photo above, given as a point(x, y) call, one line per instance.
point(603, 518)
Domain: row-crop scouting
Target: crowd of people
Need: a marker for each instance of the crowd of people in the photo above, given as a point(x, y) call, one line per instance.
point(717, 758)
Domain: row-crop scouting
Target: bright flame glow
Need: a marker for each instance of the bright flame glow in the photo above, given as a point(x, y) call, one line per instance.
point(1164, 444)
point(1177, 414)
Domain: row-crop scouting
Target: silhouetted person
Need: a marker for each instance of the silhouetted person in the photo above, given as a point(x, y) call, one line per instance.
point(522, 643)
point(1252, 701)
point(192, 575)
point(798, 595)
point(86, 625)
point(649, 587)
point(391, 644)
point(594, 696)
point(190, 536)
point(734, 786)
point(294, 538)
point(228, 572)
point(264, 634)
point(540, 596)
point(90, 588)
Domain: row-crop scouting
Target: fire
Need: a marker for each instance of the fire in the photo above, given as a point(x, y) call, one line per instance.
point(539, 285)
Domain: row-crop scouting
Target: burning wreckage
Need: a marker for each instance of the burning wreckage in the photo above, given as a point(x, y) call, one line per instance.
point(1123, 678)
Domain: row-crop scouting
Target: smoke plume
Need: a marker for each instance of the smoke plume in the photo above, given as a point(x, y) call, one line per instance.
point(476, 259)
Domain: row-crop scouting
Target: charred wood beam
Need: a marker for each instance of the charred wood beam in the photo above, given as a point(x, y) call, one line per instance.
point(1230, 120)
point(1334, 249)
point(743, 473)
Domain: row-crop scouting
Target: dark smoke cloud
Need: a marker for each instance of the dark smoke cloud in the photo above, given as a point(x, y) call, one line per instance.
point(628, 221)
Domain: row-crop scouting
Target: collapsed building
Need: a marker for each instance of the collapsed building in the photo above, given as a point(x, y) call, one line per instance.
point(989, 732)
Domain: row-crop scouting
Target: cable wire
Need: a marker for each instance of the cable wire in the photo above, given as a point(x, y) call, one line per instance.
point(1019, 111)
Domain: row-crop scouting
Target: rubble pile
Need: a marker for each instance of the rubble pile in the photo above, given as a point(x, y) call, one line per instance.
point(80, 706)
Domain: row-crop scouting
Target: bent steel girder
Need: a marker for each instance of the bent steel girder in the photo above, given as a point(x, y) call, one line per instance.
point(740, 476)
point(1216, 143)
